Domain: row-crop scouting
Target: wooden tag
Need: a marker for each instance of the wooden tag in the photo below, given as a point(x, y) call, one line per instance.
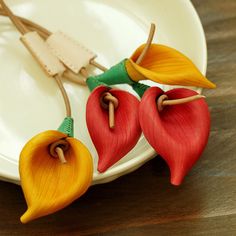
point(74, 55)
point(40, 50)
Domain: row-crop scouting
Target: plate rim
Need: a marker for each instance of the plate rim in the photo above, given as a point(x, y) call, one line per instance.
point(134, 163)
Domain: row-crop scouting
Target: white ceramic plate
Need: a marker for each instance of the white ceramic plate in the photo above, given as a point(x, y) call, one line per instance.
point(31, 103)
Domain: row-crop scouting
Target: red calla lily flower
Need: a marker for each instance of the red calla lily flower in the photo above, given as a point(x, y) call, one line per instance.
point(179, 133)
point(112, 144)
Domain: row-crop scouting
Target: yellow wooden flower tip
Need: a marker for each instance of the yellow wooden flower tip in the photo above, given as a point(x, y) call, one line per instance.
point(166, 65)
point(49, 185)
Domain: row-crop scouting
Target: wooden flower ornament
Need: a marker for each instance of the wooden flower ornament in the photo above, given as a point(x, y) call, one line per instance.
point(175, 132)
point(161, 64)
point(179, 133)
point(158, 63)
point(55, 169)
point(111, 143)
point(165, 65)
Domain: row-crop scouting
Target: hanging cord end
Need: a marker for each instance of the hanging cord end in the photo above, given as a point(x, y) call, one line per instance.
point(60, 154)
point(108, 101)
point(164, 101)
point(148, 44)
point(58, 149)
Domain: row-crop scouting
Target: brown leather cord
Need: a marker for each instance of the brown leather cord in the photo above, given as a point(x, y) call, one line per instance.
point(44, 33)
point(148, 44)
point(23, 30)
point(64, 95)
point(163, 101)
point(108, 101)
point(99, 66)
point(58, 148)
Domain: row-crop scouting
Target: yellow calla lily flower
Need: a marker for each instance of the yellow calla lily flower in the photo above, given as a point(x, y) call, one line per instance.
point(166, 65)
point(49, 185)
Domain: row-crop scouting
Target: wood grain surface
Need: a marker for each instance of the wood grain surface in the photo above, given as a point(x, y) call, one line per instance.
point(144, 203)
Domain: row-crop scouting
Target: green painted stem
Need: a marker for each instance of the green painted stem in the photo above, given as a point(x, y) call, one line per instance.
point(139, 88)
point(67, 126)
point(93, 83)
point(117, 74)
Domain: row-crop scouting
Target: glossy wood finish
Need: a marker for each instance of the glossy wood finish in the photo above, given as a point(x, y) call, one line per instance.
point(144, 203)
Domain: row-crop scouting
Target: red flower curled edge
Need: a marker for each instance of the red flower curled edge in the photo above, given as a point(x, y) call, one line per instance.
point(112, 144)
point(179, 133)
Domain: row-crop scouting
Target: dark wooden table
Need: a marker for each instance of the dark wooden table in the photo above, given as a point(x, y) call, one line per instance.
point(144, 203)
